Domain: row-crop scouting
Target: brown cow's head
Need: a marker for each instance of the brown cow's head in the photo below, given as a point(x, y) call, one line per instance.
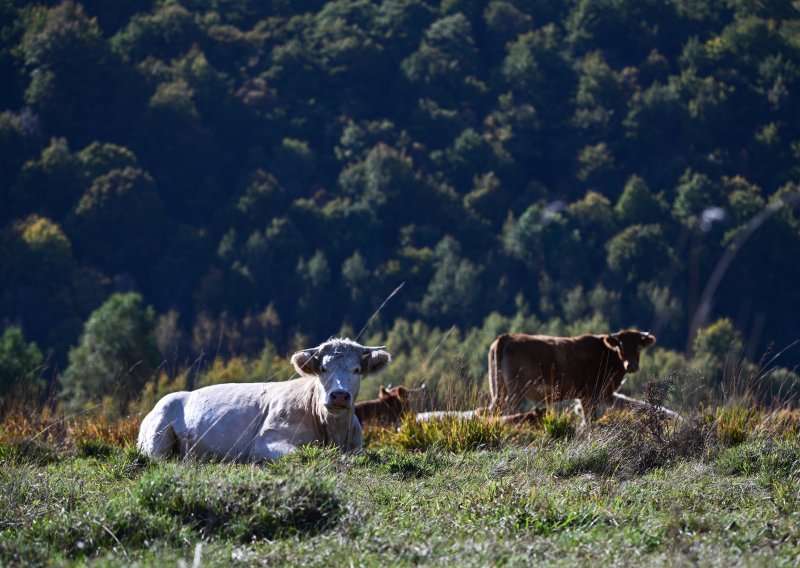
point(627, 345)
point(400, 393)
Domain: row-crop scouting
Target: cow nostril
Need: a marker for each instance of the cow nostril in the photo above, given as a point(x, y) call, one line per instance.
point(340, 396)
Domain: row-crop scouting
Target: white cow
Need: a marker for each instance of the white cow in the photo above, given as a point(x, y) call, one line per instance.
point(264, 421)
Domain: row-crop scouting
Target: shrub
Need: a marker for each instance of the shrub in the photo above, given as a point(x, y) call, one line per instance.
point(116, 356)
point(20, 363)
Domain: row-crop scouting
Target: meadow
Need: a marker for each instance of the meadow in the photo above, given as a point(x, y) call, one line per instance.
point(719, 488)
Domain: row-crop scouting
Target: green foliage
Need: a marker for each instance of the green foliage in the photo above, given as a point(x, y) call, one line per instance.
point(695, 192)
point(637, 203)
point(307, 157)
point(120, 206)
point(49, 184)
point(20, 362)
point(445, 58)
point(638, 253)
point(164, 33)
point(718, 352)
point(37, 269)
point(454, 290)
point(116, 356)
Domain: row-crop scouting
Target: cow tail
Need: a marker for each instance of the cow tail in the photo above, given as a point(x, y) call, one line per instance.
point(497, 384)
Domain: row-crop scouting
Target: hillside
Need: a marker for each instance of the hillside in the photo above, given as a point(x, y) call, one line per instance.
point(264, 174)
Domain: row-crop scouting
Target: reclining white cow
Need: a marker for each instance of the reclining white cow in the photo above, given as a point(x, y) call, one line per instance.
point(264, 421)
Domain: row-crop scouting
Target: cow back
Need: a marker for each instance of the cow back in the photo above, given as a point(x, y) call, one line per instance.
point(560, 367)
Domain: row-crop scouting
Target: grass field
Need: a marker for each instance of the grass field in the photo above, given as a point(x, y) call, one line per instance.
point(720, 488)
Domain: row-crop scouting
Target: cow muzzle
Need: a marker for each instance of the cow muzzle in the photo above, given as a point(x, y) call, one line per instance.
point(339, 400)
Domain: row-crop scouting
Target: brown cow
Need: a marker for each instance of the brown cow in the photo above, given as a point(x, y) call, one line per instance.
point(389, 407)
point(547, 369)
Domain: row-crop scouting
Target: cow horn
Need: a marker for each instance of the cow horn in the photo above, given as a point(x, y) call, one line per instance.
point(419, 388)
point(309, 350)
point(371, 349)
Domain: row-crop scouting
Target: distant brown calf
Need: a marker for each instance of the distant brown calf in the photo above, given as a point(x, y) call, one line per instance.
point(389, 407)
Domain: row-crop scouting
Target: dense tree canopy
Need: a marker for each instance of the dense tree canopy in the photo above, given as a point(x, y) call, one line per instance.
point(574, 165)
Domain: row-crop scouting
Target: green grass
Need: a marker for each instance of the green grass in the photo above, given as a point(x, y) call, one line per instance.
point(474, 494)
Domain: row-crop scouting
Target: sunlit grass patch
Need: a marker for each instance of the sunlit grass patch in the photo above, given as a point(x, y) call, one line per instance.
point(451, 433)
point(508, 507)
point(779, 457)
point(559, 424)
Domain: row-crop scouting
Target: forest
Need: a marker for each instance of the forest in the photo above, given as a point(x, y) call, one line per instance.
point(191, 190)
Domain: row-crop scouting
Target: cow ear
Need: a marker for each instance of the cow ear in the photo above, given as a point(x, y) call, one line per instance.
point(383, 393)
point(611, 341)
point(647, 339)
point(375, 362)
point(306, 363)
point(402, 392)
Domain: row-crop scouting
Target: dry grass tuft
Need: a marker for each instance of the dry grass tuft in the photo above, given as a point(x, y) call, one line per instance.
point(782, 422)
point(735, 423)
point(20, 426)
point(43, 436)
point(122, 432)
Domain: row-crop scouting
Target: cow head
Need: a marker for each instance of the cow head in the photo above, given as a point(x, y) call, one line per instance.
point(400, 393)
point(338, 365)
point(627, 345)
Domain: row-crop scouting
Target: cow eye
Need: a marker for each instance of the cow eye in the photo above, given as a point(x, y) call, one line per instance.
point(323, 368)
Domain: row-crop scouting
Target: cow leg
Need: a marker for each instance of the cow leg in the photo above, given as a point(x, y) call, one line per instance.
point(497, 387)
point(268, 451)
point(590, 408)
point(512, 403)
point(579, 408)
